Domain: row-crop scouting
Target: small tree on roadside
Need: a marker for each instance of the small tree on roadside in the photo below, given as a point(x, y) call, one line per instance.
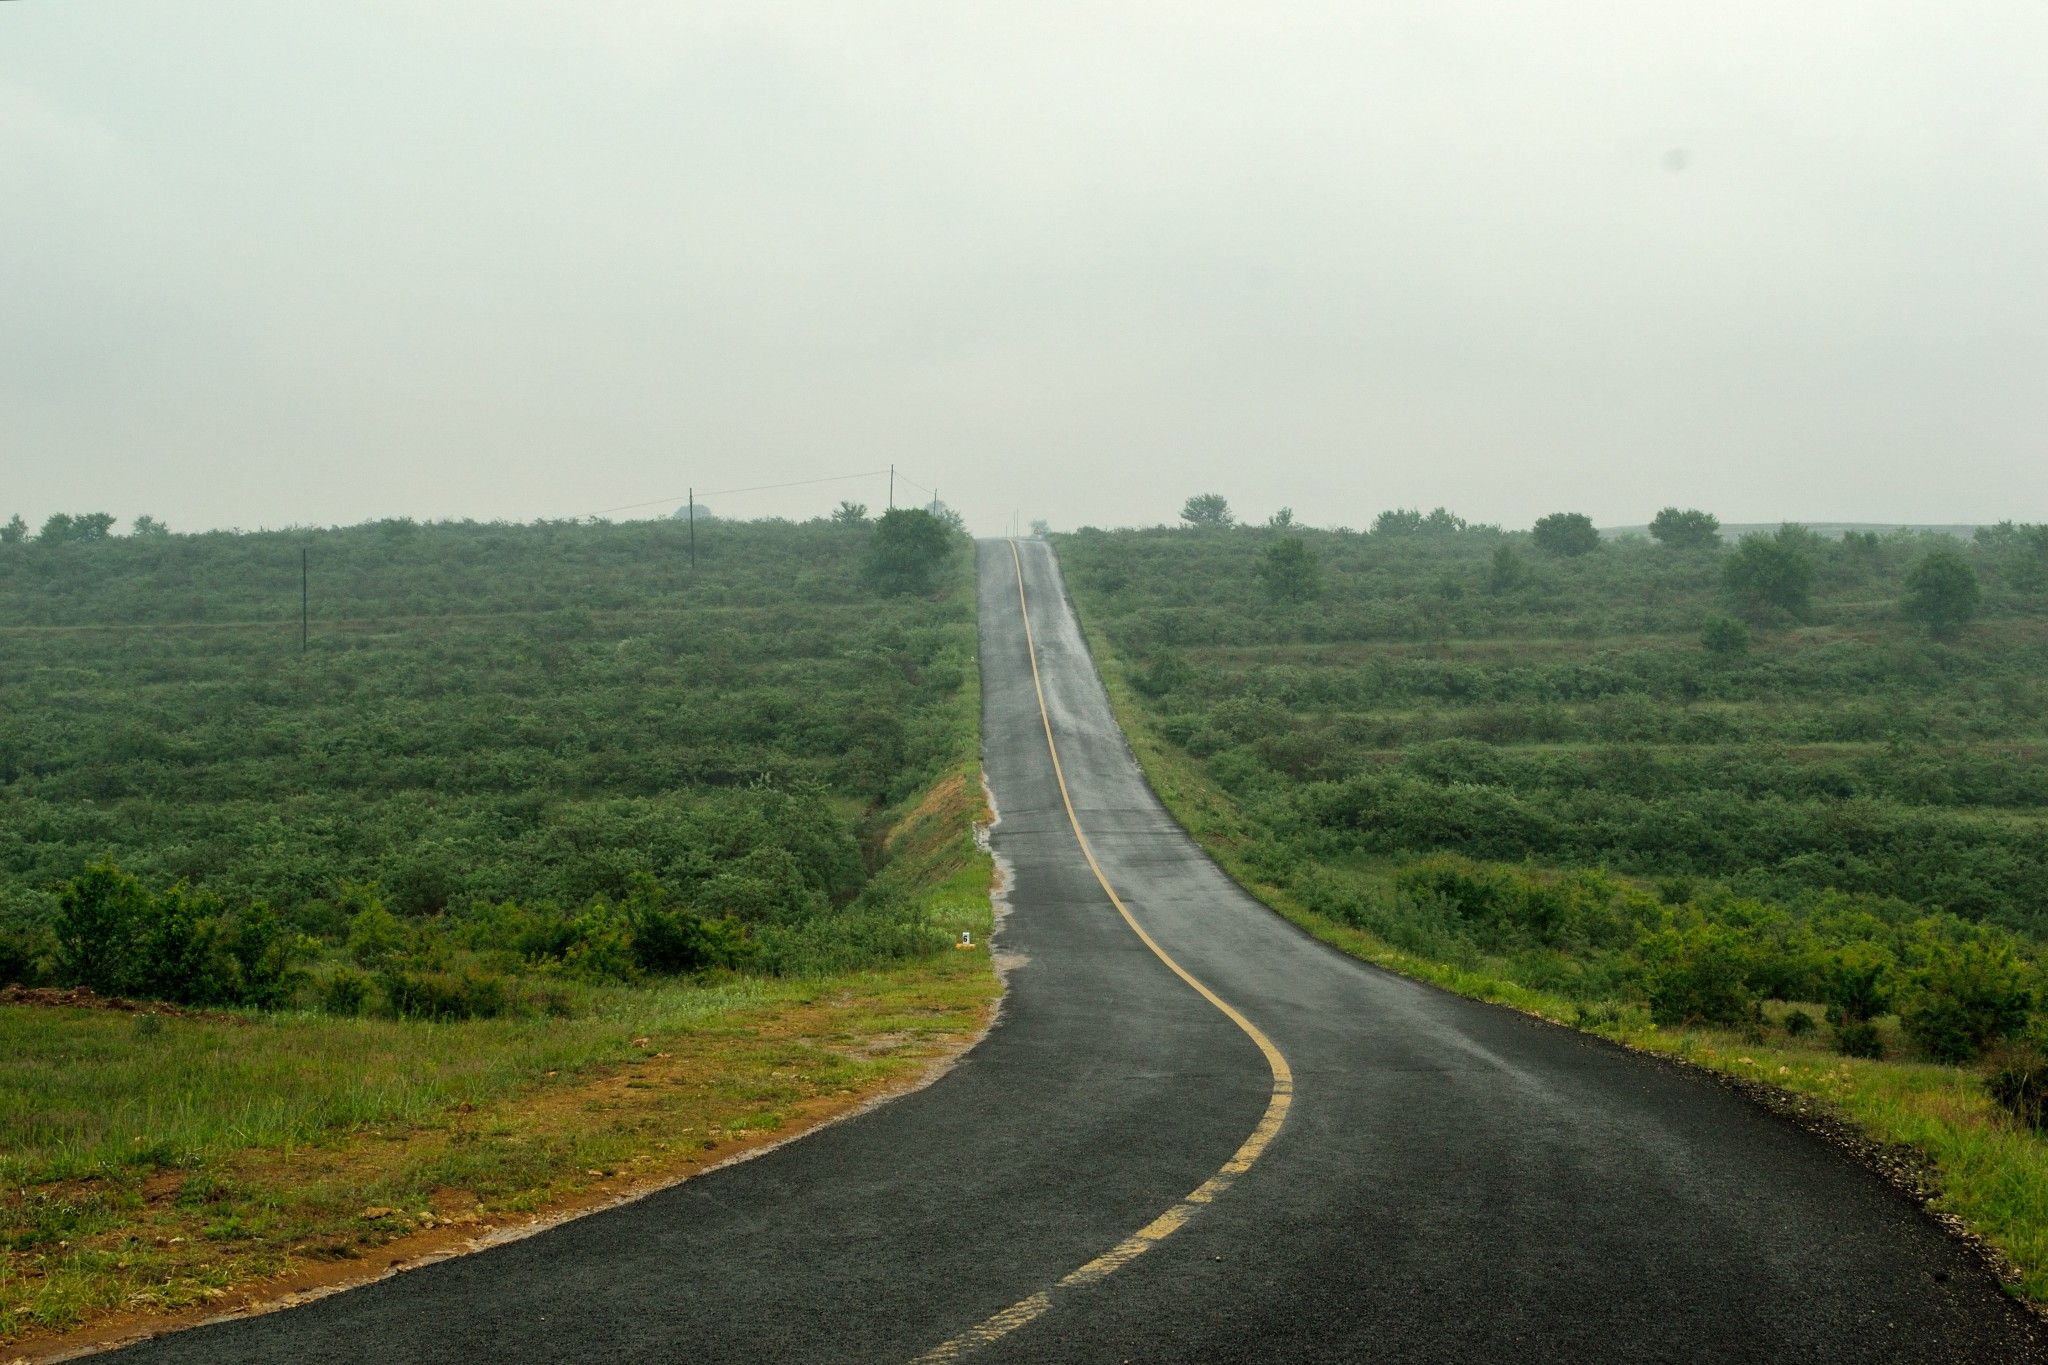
point(850, 514)
point(1942, 591)
point(1566, 534)
point(1771, 573)
point(1290, 571)
point(1686, 529)
point(1040, 527)
point(1966, 999)
point(909, 550)
point(1207, 510)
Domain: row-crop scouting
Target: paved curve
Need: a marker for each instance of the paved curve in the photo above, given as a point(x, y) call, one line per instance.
point(1454, 1182)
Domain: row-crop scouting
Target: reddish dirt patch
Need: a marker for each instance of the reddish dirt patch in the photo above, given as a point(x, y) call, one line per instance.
point(80, 998)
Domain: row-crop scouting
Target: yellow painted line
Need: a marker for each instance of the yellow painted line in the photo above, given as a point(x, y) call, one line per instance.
point(1253, 1147)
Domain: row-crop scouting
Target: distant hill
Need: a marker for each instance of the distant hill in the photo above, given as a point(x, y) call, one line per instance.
point(1833, 530)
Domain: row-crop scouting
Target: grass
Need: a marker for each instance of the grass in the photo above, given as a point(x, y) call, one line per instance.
point(1989, 1174)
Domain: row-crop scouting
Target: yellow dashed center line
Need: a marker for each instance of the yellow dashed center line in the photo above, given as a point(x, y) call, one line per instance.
point(1166, 1224)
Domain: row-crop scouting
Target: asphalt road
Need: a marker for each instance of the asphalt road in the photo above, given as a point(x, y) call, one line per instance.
point(1451, 1181)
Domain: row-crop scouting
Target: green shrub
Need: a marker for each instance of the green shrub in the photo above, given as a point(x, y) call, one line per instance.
point(1697, 976)
point(347, 992)
point(180, 944)
point(1724, 636)
point(2019, 1083)
point(1798, 1023)
point(375, 935)
point(444, 996)
point(1966, 999)
point(102, 914)
point(1859, 1038)
point(17, 959)
point(1856, 981)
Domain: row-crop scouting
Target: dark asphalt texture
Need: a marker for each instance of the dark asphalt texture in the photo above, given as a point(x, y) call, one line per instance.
point(1455, 1182)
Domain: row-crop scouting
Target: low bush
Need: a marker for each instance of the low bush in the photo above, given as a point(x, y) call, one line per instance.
point(347, 993)
point(116, 936)
point(444, 996)
point(2019, 1083)
point(1966, 999)
point(1859, 1038)
point(17, 960)
point(1697, 976)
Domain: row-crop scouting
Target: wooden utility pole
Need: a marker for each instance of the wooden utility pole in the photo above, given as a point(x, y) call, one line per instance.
point(892, 488)
point(305, 601)
point(693, 527)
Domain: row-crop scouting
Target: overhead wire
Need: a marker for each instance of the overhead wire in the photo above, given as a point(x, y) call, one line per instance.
point(752, 488)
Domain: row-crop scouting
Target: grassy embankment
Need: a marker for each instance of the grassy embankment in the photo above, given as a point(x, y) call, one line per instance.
point(1200, 706)
point(163, 1164)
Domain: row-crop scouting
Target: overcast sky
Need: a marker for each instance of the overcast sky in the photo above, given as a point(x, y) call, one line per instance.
point(270, 263)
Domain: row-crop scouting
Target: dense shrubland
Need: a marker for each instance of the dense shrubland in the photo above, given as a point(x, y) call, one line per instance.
point(1744, 784)
point(514, 760)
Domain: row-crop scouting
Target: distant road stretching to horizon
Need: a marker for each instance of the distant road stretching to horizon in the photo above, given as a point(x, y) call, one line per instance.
point(1198, 1134)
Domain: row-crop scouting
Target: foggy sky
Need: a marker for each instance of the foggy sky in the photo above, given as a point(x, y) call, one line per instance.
point(266, 264)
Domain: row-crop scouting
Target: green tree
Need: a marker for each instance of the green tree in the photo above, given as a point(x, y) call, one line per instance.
point(102, 915)
point(1686, 529)
point(2021, 552)
point(1207, 509)
point(146, 525)
point(1771, 573)
point(1290, 571)
point(1040, 527)
point(1507, 572)
point(1397, 521)
point(1442, 521)
point(13, 532)
point(1724, 636)
point(909, 551)
point(1942, 591)
point(62, 529)
point(1282, 520)
point(1966, 999)
point(1567, 534)
point(850, 514)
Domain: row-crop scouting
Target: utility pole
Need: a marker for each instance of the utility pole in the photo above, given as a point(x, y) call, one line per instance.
point(305, 601)
point(892, 488)
point(693, 528)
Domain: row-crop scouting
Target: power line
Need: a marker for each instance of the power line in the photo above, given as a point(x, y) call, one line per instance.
point(756, 488)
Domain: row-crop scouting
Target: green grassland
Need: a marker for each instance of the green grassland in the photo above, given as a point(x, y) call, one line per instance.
point(1814, 855)
point(545, 851)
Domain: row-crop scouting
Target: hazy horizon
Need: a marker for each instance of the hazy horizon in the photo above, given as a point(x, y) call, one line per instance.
point(323, 263)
